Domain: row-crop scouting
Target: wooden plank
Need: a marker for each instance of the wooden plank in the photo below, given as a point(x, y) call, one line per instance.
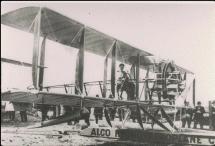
point(113, 70)
point(79, 75)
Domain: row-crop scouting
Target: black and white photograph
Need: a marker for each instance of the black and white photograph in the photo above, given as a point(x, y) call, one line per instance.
point(118, 73)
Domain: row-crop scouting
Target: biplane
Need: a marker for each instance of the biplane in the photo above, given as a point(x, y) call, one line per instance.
point(168, 84)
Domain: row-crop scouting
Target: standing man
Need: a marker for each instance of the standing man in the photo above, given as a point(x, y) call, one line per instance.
point(98, 113)
point(198, 115)
point(23, 111)
point(121, 113)
point(187, 114)
point(124, 84)
point(23, 115)
point(85, 114)
point(9, 108)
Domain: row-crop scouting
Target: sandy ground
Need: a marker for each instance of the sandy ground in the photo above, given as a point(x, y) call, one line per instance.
point(25, 134)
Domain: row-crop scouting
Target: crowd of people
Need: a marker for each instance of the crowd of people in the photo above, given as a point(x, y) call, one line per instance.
point(11, 112)
point(196, 115)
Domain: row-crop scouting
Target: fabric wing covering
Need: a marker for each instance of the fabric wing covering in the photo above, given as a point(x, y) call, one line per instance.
point(71, 100)
point(67, 31)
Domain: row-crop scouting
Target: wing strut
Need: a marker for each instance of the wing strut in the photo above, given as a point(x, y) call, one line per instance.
point(36, 49)
point(113, 69)
point(42, 63)
point(105, 70)
point(137, 76)
point(80, 66)
point(194, 91)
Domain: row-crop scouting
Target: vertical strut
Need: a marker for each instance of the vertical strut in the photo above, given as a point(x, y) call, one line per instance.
point(42, 63)
point(113, 70)
point(80, 66)
point(36, 44)
point(137, 76)
point(194, 91)
point(105, 78)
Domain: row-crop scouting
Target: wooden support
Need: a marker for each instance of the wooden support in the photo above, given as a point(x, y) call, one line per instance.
point(113, 70)
point(132, 72)
point(85, 89)
point(105, 69)
point(42, 63)
point(146, 85)
point(107, 117)
point(100, 86)
point(155, 115)
point(36, 45)
point(79, 75)
point(65, 89)
point(137, 76)
point(154, 119)
point(139, 118)
point(105, 78)
point(194, 91)
point(168, 119)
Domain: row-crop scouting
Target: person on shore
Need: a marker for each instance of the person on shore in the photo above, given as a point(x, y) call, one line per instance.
point(187, 114)
point(98, 113)
point(9, 108)
point(198, 115)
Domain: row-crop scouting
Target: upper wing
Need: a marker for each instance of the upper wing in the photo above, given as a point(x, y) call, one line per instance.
point(67, 31)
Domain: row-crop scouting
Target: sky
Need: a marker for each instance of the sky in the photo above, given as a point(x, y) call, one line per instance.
point(180, 31)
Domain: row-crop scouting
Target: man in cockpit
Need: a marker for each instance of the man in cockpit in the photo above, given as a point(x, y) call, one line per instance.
point(124, 84)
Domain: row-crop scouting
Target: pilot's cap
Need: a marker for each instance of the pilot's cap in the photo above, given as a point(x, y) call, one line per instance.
point(198, 102)
point(121, 64)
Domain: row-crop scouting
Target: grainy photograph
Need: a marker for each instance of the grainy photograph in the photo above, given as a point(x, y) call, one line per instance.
point(107, 73)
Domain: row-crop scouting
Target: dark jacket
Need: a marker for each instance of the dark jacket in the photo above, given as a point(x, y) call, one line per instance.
point(199, 111)
point(187, 110)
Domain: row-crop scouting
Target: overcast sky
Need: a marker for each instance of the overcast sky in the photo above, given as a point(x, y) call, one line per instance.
point(183, 32)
